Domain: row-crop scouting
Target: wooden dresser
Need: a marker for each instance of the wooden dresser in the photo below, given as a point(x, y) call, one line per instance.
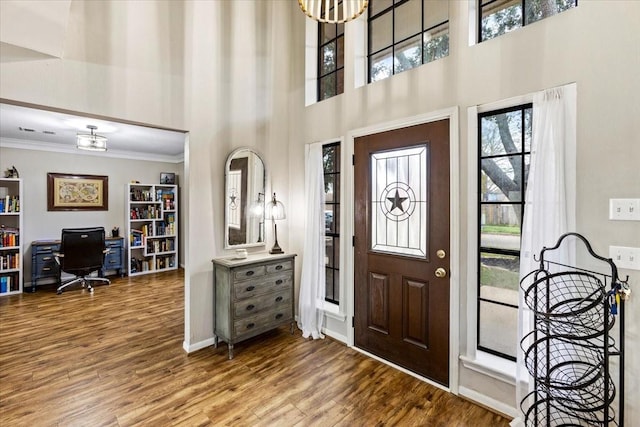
point(251, 296)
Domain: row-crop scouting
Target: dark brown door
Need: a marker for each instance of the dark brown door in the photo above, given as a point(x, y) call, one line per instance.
point(402, 247)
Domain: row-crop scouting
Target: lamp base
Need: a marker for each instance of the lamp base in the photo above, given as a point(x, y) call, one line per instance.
point(276, 249)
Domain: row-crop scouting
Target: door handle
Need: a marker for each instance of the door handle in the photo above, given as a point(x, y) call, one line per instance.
point(441, 272)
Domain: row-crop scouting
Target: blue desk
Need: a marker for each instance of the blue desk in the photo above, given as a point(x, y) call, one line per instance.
point(44, 265)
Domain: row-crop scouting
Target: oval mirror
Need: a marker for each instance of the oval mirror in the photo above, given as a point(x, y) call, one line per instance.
point(244, 199)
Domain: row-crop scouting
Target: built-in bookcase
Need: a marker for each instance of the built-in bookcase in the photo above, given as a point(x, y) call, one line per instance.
point(11, 254)
point(152, 228)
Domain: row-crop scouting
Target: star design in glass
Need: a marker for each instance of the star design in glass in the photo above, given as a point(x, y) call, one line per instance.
point(396, 202)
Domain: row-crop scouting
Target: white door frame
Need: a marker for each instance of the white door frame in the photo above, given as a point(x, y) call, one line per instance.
point(348, 215)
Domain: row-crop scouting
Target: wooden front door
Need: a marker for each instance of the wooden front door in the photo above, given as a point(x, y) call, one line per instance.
point(402, 247)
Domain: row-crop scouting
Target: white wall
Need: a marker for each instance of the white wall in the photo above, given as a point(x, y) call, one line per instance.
point(596, 45)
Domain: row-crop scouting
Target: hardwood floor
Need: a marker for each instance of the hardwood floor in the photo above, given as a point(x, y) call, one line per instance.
point(115, 358)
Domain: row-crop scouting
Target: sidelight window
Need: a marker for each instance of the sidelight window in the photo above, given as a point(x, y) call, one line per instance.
point(331, 162)
point(504, 140)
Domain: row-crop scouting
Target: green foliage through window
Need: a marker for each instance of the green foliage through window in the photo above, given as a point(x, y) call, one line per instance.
point(498, 17)
point(406, 34)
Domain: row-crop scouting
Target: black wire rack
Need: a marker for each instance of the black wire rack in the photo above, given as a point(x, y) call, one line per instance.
point(568, 353)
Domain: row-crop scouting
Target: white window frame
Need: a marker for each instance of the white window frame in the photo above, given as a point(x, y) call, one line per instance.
point(474, 359)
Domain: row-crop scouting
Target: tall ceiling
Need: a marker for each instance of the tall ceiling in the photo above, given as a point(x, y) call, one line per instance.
point(32, 128)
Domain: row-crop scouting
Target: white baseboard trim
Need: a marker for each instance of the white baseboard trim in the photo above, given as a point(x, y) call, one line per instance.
point(335, 336)
point(487, 401)
point(190, 348)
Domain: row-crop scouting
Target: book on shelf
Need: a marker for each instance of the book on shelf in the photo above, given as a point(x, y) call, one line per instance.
point(9, 283)
point(9, 261)
point(136, 238)
point(10, 204)
point(9, 237)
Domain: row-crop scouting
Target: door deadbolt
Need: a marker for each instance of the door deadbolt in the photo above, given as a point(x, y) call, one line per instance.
point(441, 272)
point(440, 253)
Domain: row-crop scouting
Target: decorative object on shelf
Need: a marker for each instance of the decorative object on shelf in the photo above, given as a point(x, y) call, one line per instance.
point(70, 192)
point(275, 212)
point(11, 172)
point(167, 178)
point(92, 141)
point(569, 353)
point(333, 11)
point(241, 253)
point(115, 232)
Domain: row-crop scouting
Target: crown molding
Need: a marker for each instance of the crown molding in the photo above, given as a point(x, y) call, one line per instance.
point(22, 144)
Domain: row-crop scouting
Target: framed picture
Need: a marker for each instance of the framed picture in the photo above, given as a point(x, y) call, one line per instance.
point(167, 178)
point(70, 192)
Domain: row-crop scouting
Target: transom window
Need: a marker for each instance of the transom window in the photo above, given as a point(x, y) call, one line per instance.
point(404, 34)
point(330, 60)
point(504, 139)
point(331, 161)
point(498, 17)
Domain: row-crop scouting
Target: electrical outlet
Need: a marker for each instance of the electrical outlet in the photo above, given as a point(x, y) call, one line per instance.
point(625, 257)
point(624, 209)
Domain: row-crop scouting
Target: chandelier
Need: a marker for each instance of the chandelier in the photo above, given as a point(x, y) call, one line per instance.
point(91, 141)
point(333, 11)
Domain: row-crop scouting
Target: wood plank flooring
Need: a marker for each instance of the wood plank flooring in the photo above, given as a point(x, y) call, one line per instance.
point(115, 358)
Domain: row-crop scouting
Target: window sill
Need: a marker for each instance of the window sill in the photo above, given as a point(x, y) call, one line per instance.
point(492, 366)
point(333, 310)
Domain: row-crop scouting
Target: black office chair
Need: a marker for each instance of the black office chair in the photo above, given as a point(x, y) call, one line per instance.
point(82, 252)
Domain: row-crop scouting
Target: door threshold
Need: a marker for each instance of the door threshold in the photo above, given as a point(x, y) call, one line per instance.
point(402, 369)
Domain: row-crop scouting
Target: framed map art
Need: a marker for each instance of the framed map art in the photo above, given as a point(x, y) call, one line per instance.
point(67, 192)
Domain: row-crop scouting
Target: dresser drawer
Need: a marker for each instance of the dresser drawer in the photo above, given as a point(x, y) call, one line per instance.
point(249, 273)
point(263, 285)
point(278, 267)
point(112, 261)
point(262, 322)
point(46, 249)
point(46, 264)
point(252, 306)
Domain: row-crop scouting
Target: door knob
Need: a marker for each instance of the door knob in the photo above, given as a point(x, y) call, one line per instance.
point(441, 272)
point(440, 253)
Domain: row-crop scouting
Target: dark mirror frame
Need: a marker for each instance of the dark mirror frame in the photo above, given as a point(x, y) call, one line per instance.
point(244, 197)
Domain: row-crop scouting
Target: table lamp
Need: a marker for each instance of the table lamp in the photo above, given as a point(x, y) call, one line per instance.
point(275, 211)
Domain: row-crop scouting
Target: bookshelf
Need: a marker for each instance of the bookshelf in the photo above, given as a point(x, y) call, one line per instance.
point(152, 228)
point(11, 254)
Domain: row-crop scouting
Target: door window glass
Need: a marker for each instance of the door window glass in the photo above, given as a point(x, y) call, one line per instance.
point(398, 205)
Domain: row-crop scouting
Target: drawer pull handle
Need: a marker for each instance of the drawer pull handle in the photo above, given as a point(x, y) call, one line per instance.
point(249, 273)
point(279, 282)
point(278, 267)
point(47, 248)
point(47, 258)
point(250, 288)
point(250, 307)
point(278, 299)
point(251, 325)
point(279, 316)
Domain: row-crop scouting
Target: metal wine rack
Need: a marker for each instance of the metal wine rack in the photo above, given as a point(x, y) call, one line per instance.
point(575, 352)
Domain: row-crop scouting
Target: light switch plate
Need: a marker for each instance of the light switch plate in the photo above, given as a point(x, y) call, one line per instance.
point(624, 209)
point(625, 257)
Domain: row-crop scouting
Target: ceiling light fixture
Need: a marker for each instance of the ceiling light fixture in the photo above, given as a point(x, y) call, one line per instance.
point(92, 142)
point(333, 11)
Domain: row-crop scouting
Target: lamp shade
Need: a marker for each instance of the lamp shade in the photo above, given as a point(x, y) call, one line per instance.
point(92, 141)
point(333, 11)
point(275, 209)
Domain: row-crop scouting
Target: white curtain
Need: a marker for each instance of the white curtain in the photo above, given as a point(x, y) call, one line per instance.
point(312, 283)
point(549, 201)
